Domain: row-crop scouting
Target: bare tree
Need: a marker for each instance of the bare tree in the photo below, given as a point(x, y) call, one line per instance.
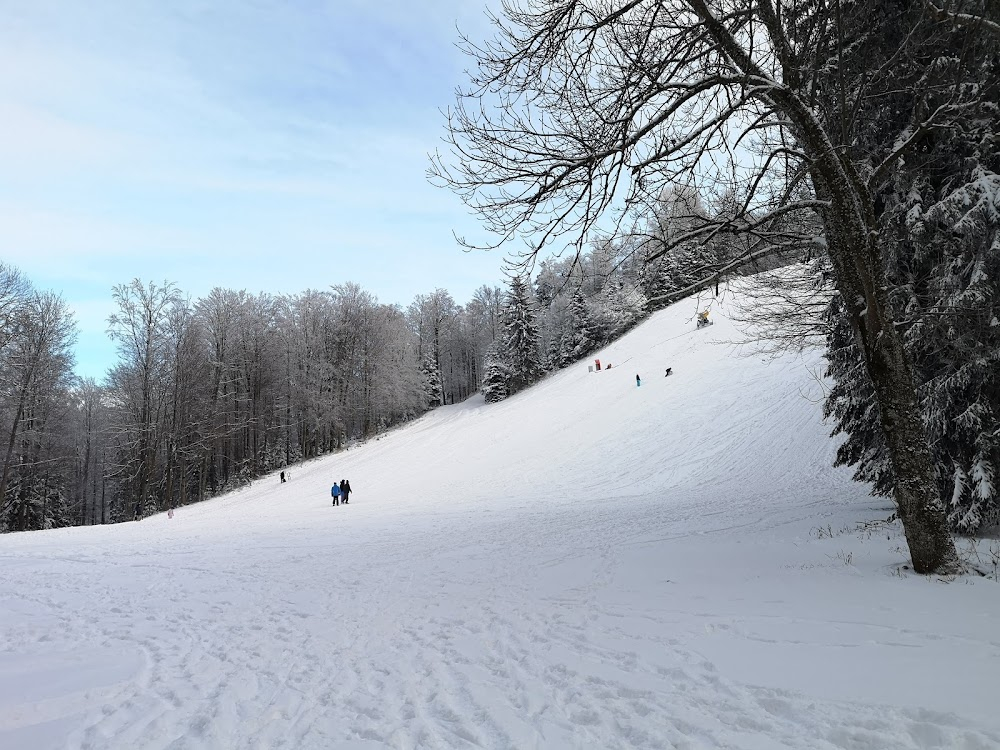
point(38, 365)
point(217, 314)
point(90, 433)
point(205, 395)
point(483, 313)
point(15, 291)
point(581, 112)
point(140, 383)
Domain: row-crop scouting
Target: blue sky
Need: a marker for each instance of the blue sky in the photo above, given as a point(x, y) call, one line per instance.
point(263, 145)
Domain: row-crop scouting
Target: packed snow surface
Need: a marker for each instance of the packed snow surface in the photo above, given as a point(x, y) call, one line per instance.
point(589, 564)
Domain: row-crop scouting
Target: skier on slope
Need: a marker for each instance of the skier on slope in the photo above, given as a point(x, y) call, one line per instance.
point(703, 319)
point(345, 490)
point(335, 493)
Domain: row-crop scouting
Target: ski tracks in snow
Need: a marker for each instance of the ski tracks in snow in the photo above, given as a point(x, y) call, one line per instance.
point(430, 644)
point(585, 565)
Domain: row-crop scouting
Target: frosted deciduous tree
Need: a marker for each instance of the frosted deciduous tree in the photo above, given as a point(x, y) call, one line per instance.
point(36, 368)
point(89, 431)
point(396, 392)
point(945, 268)
point(139, 386)
point(209, 394)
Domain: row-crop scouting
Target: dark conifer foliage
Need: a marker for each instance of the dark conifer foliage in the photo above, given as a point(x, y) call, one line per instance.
point(432, 382)
point(939, 213)
point(497, 378)
point(520, 337)
point(583, 334)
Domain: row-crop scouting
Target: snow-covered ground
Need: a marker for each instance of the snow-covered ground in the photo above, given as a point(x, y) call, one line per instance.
point(589, 564)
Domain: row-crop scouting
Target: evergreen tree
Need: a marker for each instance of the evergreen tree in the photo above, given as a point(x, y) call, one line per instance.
point(940, 230)
point(656, 283)
point(521, 337)
point(949, 300)
point(583, 337)
point(558, 352)
point(497, 374)
point(619, 306)
point(432, 382)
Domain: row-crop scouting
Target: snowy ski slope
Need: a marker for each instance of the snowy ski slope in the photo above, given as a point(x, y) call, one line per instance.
point(588, 564)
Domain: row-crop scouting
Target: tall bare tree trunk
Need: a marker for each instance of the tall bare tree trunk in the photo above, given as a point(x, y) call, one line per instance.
point(852, 242)
point(5, 476)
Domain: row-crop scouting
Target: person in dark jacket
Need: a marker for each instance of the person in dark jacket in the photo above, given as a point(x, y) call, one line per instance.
point(335, 492)
point(345, 489)
point(637, 381)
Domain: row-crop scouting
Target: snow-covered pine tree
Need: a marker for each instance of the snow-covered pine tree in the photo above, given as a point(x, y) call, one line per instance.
point(521, 337)
point(583, 337)
point(496, 375)
point(851, 403)
point(558, 351)
point(553, 319)
point(672, 261)
point(656, 283)
point(619, 307)
point(432, 382)
point(957, 344)
point(949, 299)
point(949, 257)
point(940, 219)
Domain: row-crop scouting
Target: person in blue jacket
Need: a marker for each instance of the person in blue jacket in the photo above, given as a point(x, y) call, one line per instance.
point(335, 492)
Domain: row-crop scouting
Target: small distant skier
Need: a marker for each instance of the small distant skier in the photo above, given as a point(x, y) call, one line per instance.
point(637, 381)
point(703, 319)
point(335, 492)
point(282, 477)
point(345, 490)
point(669, 372)
point(597, 363)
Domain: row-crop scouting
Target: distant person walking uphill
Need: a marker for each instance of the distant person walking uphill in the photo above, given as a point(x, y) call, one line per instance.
point(637, 381)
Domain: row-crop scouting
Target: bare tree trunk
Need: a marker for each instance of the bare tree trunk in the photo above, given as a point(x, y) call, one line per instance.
point(852, 240)
point(5, 477)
